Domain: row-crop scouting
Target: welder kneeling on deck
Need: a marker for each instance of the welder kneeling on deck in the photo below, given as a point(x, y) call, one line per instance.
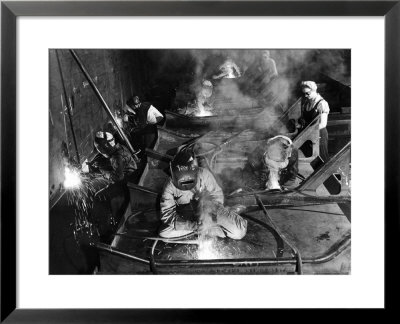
point(192, 201)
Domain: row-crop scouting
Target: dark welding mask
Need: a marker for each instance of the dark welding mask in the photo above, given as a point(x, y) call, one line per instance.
point(133, 102)
point(104, 143)
point(184, 170)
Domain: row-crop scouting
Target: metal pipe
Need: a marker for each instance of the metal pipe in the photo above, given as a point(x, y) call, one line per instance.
point(110, 249)
point(293, 248)
point(279, 240)
point(228, 262)
point(342, 246)
point(68, 107)
point(102, 101)
point(289, 196)
point(153, 267)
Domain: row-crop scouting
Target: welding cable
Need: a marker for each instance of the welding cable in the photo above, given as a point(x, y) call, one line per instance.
point(112, 250)
point(155, 238)
point(293, 248)
point(152, 259)
point(271, 229)
point(346, 198)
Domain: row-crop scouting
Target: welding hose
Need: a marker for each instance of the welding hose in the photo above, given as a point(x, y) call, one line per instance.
point(175, 240)
point(299, 267)
point(153, 267)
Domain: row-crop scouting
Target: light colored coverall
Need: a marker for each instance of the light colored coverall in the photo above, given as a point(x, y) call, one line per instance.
point(229, 222)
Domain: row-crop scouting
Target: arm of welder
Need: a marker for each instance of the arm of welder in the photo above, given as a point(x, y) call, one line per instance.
point(169, 215)
point(117, 173)
point(208, 183)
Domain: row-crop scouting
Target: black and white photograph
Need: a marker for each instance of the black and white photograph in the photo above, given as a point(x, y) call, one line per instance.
point(199, 161)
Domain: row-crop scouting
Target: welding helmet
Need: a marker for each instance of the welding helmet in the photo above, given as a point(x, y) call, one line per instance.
point(278, 151)
point(133, 102)
point(184, 170)
point(104, 143)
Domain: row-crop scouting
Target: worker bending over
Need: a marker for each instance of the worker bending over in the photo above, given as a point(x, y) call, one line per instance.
point(276, 163)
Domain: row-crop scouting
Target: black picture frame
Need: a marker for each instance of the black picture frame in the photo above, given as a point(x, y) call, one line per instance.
point(10, 10)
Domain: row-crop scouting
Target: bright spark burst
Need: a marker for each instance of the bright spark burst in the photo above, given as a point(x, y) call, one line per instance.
point(72, 178)
point(203, 113)
point(206, 249)
point(81, 198)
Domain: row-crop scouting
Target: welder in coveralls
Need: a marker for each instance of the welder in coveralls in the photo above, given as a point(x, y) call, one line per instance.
point(117, 166)
point(276, 163)
point(140, 121)
point(201, 105)
point(192, 201)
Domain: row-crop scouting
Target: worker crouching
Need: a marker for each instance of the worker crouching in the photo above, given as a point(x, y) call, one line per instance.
point(192, 201)
point(116, 165)
point(277, 163)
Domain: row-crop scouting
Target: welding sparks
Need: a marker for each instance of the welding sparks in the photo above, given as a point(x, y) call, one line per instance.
point(72, 178)
point(203, 113)
point(206, 249)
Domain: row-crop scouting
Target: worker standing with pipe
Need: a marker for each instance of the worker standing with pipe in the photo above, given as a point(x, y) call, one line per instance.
point(314, 105)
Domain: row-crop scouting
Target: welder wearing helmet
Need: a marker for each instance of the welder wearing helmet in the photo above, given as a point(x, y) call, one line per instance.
point(190, 196)
point(276, 162)
point(121, 161)
point(228, 70)
point(117, 166)
point(140, 120)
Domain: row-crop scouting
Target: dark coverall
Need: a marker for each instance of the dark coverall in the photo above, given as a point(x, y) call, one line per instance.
point(118, 169)
point(140, 131)
point(308, 115)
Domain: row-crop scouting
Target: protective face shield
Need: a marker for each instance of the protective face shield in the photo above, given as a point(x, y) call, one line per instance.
point(104, 143)
point(184, 171)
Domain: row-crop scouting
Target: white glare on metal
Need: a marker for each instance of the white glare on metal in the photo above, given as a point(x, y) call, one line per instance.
point(72, 178)
point(201, 111)
point(118, 120)
point(206, 250)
